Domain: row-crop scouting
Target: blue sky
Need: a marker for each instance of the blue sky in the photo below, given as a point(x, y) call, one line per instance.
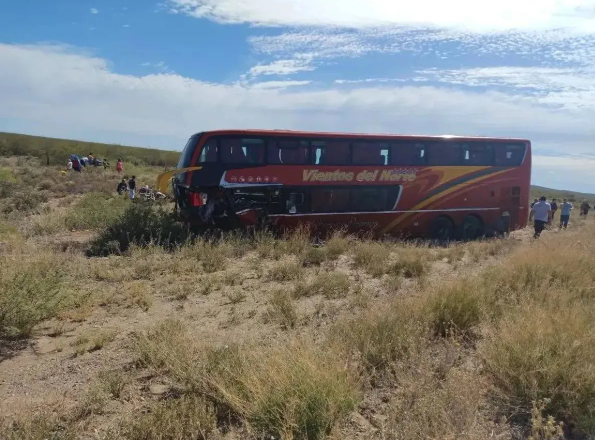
point(152, 73)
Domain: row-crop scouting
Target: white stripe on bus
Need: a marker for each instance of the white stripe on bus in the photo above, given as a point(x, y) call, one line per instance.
point(386, 212)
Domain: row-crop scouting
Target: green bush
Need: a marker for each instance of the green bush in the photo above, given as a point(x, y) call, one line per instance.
point(141, 224)
point(28, 298)
point(95, 211)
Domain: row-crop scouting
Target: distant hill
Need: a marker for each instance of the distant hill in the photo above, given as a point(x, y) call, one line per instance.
point(573, 196)
point(56, 151)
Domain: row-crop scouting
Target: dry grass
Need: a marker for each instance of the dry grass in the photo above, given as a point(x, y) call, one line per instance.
point(285, 271)
point(188, 417)
point(372, 257)
point(93, 341)
point(328, 284)
point(282, 310)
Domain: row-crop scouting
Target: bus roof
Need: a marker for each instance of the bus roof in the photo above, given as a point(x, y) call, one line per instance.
point(356, 135)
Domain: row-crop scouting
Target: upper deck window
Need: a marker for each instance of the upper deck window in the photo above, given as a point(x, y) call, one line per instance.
point(477, 154)
point(408, 153)
point(291, 151)
point(509, 155)
point(208, 154)
point(370, 153)
point(242, 151)
point(330, 152)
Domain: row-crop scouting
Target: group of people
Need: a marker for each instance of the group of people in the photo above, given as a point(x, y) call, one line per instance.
point(544, 213)
point(76, 164)
point(130, 188)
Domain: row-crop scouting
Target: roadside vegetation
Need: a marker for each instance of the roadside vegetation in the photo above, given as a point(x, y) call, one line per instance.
point(147, 332)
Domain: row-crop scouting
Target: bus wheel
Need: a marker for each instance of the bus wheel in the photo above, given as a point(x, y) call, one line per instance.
point(441, 229)
point(470, 229)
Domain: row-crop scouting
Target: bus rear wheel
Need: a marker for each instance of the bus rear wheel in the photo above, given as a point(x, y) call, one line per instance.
point(441, 229)
point(470, 229)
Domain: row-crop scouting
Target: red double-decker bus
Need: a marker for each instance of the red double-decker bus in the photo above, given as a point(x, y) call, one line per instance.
point(416, 186)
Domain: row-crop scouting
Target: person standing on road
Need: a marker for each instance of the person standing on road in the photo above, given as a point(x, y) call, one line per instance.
point(542, 211)
point(132, 186)
point(565, 209)
point(554, 206)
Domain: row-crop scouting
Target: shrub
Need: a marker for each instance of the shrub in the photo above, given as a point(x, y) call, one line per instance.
point(336, 246)
point(540, 352)
point(381, 338)
point(188, 417)
point(455, 309)
point(28, 298)
point(313, 256)
point(140, 224)
point(411, 265)
point(372, 257)
point(95, 211)
point(290, 392)
point(282, 309)
point(286, 271)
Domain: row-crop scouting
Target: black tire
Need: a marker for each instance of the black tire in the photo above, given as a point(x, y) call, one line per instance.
point(470, 229)
point(442, 229)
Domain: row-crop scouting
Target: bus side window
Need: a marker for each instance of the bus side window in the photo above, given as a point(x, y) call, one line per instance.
point(478, 154)
point(408, 153)
point(287, 152)
point(509, 155)
point(208, 153)
point(445, 154)
point(329, 199)
point(330, 152)
point(254, 151)
point(370, 153)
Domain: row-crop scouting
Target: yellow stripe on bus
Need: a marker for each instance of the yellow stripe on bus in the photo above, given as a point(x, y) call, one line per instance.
point(425, 203)
point(163, 178)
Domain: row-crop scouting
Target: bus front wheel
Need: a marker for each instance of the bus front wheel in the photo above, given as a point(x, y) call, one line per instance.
point(441, 229)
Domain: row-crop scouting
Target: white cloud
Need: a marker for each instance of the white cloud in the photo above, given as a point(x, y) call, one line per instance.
point(278, 84)
point(467, 14)
point(283, 67)
point(567, 87)
point(126, 25)
point(94, 11)
point(65, 93)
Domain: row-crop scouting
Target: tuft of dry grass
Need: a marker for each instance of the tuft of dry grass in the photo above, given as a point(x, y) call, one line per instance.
point(373, 257)
point(285, 271)
point(290, 392)
point(381, 338)
point(337, 245)
point(539, 352)
point(282, 310)
point(328, 284)
point(43, 425)
point(455, 309)
point(412, 262)
point(188, 417)
point(30, 295)
point(92, 341)
point(313, 256)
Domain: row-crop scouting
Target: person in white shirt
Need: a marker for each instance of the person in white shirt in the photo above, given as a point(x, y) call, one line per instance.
point(542, 212)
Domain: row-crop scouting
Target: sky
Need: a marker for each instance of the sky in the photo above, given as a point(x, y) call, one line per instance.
point(151, 73)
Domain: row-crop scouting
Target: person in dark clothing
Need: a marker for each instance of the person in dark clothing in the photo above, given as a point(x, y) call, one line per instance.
point(132, 187)
point(585, 207)
point(554, 206)
point(122, 187)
